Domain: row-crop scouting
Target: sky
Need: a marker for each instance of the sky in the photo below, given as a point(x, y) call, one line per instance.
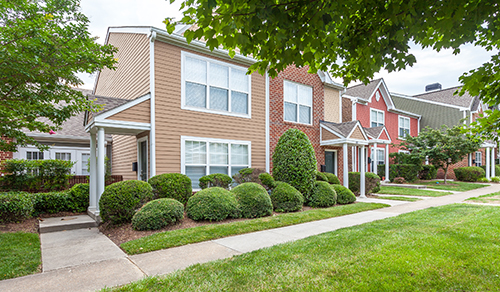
point(431, 67)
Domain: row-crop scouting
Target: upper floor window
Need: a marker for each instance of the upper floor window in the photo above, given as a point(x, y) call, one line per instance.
point(298, 103)
point(214, 86)
point(404, 126)
point(376, 118)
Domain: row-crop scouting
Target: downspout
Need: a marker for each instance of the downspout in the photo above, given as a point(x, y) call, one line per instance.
point(418, 125)
point(152, 133)
point(268, 164)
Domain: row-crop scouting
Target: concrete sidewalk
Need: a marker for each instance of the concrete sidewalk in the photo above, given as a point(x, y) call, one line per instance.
point(86, 260)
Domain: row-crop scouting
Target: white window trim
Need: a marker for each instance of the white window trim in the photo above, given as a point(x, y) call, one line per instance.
point(298, 104)
point(399, 125)
point(336, 159)
point(373, 152)
point(213, 140)
point(145, 138)
point(480, 158)
point(404, 151)
point(212, 111)
point(378, 111)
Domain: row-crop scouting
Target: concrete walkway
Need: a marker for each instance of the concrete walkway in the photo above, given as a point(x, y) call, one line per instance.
point(86, 260)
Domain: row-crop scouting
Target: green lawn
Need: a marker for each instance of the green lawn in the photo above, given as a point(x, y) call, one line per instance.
point(448, 248)
point(490, 198)
point(208, 232)
point(398, 198)
point(390, 190)
point(456, 186)
point(20, 254)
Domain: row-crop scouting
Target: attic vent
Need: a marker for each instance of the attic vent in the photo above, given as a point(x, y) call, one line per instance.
point(433, 86)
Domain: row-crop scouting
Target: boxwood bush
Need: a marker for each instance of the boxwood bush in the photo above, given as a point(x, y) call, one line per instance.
point(248, 175)
point(157, 214)
point(53, 202)
point(79, 197)
point(267, 180)
point(344, 195)
point(320, 176)
point(286, 198)
point(253, 199)
point(323, 195)
point(428, 172)
point(16, 206)
point(332, 178)
point(215, 180)
point(120, 200)
point(294, 161)
point(469, 173)
point(172, 185)
point(372, 182)
point(213, 204)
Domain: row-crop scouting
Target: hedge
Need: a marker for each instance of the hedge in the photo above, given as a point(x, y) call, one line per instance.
point(428, 172)
point(410, 172)
point(157, 214)
point(120, 200)
point(286, 198)
point(469, 173)
point(220, 180)
point(332, 178)
point(323, 195)
point(172, 185)
point(344, 195)
point(253, 199)
point(372, 182)
point(213, 204)
point(294, 161)
point(16, 206)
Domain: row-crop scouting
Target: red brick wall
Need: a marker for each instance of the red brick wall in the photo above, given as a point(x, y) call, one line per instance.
point(463, 163)
point(6, 155)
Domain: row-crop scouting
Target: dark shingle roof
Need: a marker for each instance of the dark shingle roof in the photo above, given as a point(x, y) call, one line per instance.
point(448, 96)
point(344, 129)
point(108, 103)
point(362, 90)
point(374, 132)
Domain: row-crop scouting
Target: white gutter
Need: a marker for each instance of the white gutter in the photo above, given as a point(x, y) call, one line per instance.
point(152, 132)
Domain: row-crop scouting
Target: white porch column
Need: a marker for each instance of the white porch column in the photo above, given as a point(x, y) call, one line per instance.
point(386, 163)
point(93, 174)
point(487, 153)
point(493, 162)
point(354, 151)
point(470, 159)
point(101, 153)
point(375, 159)
point(345, 166)
point(362, 173)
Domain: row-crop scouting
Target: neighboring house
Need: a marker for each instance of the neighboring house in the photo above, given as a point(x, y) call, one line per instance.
point(70, 143)
point(444, 107)
point(185, 109)
point(373, 107)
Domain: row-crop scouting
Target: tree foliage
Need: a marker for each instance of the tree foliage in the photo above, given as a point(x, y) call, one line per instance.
point(43, 45)
point(443, 147)
point(352, 39)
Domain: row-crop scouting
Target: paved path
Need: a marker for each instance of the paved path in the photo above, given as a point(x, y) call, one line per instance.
point(86, 260)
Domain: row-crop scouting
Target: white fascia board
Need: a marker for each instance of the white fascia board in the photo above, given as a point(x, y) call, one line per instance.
point(327, 80)
point(343, 141)
point(398, 111)
point(375, 90)
point(379, 141)
point(56, 137)
point(331, 131)
point(487, 145)
point(123, 125)
point(428, 101)
point(386, 132)
point(118, 109)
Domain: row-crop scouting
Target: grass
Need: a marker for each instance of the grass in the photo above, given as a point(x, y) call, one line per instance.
point(398, 198)
point(185, 236)
point(390, 190)
point(448, 248)
point(456, 186)
point(490, 198)
point(20, 254)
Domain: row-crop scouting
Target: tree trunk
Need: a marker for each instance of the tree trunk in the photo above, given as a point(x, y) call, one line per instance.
point(445, 173)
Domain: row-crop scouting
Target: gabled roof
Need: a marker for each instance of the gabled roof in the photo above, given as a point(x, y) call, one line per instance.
point(343, 129)
point(363, 91)
point(108, 103)
point(448, 96)
point(374, 132)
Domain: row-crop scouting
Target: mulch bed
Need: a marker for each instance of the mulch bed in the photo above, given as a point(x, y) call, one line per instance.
point(31, 225)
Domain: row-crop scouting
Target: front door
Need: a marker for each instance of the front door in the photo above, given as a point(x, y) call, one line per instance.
point(143, 160)
point(330, 162)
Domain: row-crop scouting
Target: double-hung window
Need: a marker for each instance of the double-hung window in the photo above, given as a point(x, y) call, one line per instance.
point(479, 159)
point(298, 103)
point(84, 163)
point(203, 156)
point(214, 86)
point(404, 127)
point(376, 118)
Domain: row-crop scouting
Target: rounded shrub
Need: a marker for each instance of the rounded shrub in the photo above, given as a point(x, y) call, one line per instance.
point(157, 214)
point(495, 179)
point(78, 198)
point(469, 173)
point(372, 182)
point(332, 178)
point(215, 180)
point(286, 198)
point(320, 176)
point(120, 200)
point(483, 179)
point(253, 199)
point(213, 204)
point(16, 206)
point(248, 175)
point(323, 195)
point(344, 195)
point(294, 161)
point(267, 180)
point(172, 185)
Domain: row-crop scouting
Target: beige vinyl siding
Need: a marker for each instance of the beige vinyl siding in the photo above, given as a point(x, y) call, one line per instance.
point(327, 135)
point(131, 77)
point(140, 113)
point(357, 134)
point(124, 153)
point(172, 122)
point(332, 106)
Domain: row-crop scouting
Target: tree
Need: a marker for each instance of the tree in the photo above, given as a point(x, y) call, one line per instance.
point(351, 39)
point(43, 45)
point(443, 147)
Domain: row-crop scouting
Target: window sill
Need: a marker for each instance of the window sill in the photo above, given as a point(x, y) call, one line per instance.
point(224, 113)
